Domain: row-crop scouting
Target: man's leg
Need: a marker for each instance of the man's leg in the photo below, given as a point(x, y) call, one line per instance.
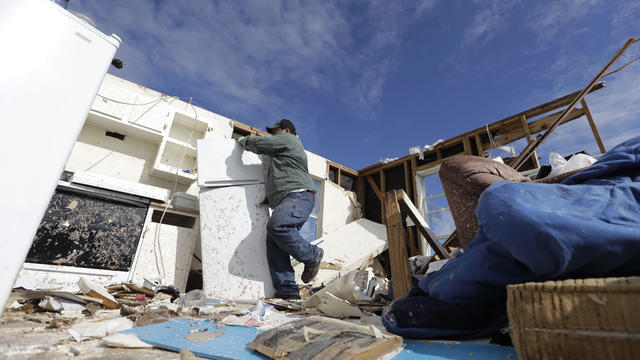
point(284, 239)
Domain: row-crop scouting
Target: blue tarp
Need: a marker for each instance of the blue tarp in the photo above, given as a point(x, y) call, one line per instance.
point(233, 344)
point(588, 226)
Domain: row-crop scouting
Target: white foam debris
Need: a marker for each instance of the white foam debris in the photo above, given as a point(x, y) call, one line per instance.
point(421, 151)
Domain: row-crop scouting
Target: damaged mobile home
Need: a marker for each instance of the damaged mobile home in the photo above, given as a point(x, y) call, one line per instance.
point(138, 229)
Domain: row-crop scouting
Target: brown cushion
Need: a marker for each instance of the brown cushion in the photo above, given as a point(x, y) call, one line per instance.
point(464, 178)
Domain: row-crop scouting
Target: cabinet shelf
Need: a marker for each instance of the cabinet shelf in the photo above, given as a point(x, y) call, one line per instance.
point(169, 172)
point(112, 123)
point(191, 150)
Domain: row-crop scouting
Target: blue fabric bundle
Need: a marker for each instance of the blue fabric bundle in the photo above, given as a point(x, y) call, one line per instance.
point(588, 226)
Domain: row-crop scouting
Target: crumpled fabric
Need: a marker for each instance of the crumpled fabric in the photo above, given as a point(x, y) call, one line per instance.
point(588, 226)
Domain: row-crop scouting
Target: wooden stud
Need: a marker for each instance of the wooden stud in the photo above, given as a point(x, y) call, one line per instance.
point(407, 177)
point(504, 126)
point(479, 145)
point(398, 257)
point(467, 146)
point(536, 126)
point(421, 224)
point(413, 180)
point(526, 153)
point(375, 188)
point(413, 249)
point(525, 127)
point(383, 190)
point(360, 194)
point(594, 129)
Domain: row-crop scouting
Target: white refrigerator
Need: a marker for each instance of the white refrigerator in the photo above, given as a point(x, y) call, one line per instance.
point(51, 68)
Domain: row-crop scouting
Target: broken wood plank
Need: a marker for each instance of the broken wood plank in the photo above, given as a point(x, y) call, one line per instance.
point(526, 153)
point(398, 257)
point(594, 129)
point(98, 292)
point(141, 289)
point(421, 224)
point(498, 125)
point(452, 240)
point(525, 127)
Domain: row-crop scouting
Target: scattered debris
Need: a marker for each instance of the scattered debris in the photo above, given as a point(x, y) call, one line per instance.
point(421, 150)
point(97, 329)
point(128, 340)
point(325, 339)
point(193, 298)
point(97, 292)
point(57, 304)
point(202, 336)
point(332, 306)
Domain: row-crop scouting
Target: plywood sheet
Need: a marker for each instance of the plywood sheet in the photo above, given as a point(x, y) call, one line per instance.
point(233, 236)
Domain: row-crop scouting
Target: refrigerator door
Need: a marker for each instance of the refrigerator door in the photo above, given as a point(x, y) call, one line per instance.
point(51, 67)
point(226, 163)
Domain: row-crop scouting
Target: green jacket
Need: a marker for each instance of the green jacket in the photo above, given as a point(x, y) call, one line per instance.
point(288, 169)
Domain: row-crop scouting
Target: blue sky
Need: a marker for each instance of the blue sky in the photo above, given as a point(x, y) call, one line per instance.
point(367, 80)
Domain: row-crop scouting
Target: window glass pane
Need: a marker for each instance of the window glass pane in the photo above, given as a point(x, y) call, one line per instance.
point(432, 185)
point(308, 230)
point(436, 203)
point(333, 174)
point(346, 181)
point(441, 223)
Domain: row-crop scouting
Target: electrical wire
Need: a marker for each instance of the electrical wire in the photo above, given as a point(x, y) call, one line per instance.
point(162, 97)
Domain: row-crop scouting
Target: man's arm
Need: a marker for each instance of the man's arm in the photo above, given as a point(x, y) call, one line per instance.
point(268, 145)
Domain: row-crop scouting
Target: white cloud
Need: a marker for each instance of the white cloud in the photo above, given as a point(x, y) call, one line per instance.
point(261, 57)
point(488, 22)
point(552, 21)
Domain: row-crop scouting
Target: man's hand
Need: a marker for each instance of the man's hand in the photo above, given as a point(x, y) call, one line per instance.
point(240, 140)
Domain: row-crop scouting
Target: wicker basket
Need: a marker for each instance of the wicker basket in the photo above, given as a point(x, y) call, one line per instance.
point(576, 319)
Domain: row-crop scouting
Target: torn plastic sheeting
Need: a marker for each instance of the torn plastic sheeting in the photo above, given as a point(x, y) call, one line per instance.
point(258, 315)
point(57, 304)
point(97, 329)
point(560, 166)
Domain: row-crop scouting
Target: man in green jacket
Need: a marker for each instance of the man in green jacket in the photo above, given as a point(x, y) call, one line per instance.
point(290, 192)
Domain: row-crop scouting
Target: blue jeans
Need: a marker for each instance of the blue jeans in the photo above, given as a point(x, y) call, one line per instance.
point(284, 240)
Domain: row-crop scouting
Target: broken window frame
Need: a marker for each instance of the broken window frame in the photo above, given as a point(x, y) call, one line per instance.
point(420, 175)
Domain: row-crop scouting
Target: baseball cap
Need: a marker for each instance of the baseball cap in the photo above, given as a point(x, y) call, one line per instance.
point(282, 124)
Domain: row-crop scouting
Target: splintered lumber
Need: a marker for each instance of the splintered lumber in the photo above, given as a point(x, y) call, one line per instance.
point(533, 145)
point(98, 292)
point(421, 224)
point(592, 124)
point(398, 258)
